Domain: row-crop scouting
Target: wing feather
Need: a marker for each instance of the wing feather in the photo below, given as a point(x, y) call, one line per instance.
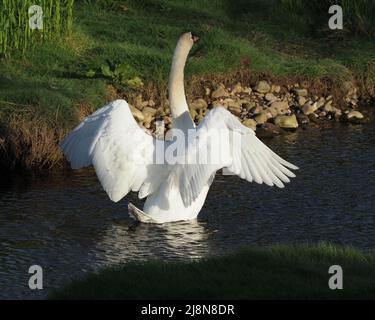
point(120, 151)
point(251, 159)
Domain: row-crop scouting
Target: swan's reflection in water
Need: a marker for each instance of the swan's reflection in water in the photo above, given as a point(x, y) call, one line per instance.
point(178, 240)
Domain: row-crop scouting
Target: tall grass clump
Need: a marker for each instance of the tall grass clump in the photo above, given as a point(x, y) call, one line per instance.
point(15, 32)
point(359, 15)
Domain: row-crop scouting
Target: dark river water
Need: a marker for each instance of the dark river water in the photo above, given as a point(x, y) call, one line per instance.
point(68, 226)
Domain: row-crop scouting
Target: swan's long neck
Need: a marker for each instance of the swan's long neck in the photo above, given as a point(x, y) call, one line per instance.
point(177, 99)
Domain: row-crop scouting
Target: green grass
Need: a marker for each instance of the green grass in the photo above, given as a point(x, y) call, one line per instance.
point(280, 272)
point(15, 33)
point(48, 86)
point(50, 79)
point(359, 15)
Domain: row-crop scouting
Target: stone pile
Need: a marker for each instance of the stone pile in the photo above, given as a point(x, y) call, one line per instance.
point(263, 106)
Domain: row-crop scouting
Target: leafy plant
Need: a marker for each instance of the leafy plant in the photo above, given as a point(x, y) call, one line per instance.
point(121, 74)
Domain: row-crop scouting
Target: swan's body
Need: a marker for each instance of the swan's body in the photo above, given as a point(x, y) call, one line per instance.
point(123, 155)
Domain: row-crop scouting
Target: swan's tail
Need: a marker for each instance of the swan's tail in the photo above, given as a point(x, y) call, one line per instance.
point(139, 215)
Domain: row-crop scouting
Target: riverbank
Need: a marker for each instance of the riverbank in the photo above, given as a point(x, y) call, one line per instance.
point(269, 107)
point(123, 49)
point(279, 272)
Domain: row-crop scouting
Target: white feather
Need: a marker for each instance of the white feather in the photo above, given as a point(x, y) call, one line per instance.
point(123, 154)
point(120, 151)
point(251, 160)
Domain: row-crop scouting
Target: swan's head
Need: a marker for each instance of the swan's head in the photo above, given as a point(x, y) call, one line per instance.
point(188, 39)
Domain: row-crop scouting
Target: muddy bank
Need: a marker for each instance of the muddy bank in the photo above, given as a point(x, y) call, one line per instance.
point(269, 105)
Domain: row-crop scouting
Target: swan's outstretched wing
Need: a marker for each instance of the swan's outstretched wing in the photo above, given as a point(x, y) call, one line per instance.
point(222, 141)
point(121, 152)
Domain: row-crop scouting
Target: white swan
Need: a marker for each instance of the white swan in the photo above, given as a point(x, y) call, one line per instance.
point(123, 154)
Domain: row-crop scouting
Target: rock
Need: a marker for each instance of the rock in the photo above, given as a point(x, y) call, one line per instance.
point(149, 110)
point(259, 96)
point(193, 113)
point(147, 120)
point(138, 115)
point(314, 118)
point(247, 90)
point(300, 92)
point(262, 117)
point(338, 114)
point(270, 97)
point(281, 106)
point(286, 122)
point(337, 111)
point(248, 106)
point(302, 119)
point(151, 103)
point(276, 88)
point(202, 111)
point(328, 107)
point(199, 104)
point(148, 116)
point(218, 103)
point(167, 120)
point(322, 114)
point(234, 103)
point(302, 101)
point(255, 110)
point(354, 116)
point(227, 101)
point(262, 87)
point(234, 107)
point(199, 118)
point(250, 123)
point(273, 112)
point(353, 102)
point(244, 114)
point(219, 93)
point(320, 103)
point(309, 108)
point(139, 103)
point(237, 89)
point(268, 130)
point(160, 112)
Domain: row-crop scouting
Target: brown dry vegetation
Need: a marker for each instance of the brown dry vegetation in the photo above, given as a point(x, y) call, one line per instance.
point(367, 81)
point(29, 143)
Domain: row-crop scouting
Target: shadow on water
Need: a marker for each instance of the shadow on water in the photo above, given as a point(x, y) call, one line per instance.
point(67, 224)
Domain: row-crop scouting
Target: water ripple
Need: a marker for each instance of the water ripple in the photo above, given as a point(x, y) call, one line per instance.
point(67, 224)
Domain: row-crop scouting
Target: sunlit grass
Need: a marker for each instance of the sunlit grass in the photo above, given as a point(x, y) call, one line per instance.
point(143, 33)
point(15, 32)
